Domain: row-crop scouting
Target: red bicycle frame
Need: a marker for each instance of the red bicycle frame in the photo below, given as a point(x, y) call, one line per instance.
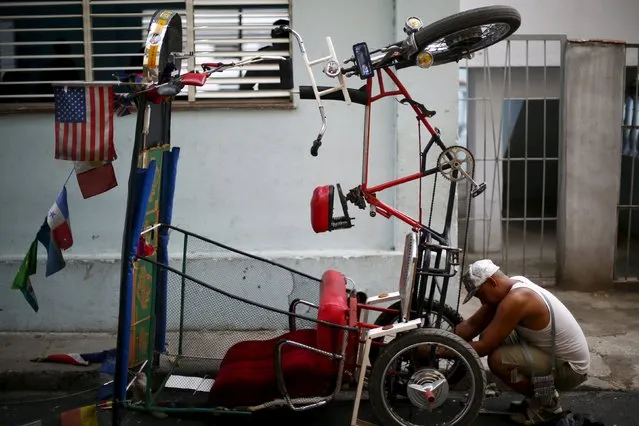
point(370, 192)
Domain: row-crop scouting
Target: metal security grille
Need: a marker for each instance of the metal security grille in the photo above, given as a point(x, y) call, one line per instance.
point(627, 248)
point(42, 42)
point(510, 119)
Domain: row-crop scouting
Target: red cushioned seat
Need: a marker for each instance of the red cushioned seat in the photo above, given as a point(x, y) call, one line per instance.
point(247, 372)
point(263, 349)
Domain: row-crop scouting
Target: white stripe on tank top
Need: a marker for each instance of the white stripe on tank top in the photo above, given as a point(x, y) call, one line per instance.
point(570, 341)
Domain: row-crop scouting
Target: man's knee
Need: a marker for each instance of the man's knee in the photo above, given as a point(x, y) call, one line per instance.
point(504, 363)
point(495, 363)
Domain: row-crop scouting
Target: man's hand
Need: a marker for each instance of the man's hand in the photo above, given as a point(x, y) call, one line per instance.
point(424, 352)
point(445, 353)
point(509, 313)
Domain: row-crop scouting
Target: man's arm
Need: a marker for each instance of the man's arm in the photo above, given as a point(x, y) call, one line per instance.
point(474, 325)
point(509, 312)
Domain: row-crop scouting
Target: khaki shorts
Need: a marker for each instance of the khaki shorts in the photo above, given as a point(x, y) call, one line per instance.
point(512, 353)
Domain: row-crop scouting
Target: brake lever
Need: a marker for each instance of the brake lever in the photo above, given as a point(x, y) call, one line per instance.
point(318, 142)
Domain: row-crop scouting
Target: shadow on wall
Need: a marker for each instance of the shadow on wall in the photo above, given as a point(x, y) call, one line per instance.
point(533, 182)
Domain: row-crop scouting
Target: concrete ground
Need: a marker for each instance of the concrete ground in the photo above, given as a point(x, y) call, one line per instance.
point(611, 408)
point(610, 321)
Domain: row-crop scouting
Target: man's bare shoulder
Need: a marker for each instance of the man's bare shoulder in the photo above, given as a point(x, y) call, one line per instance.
point(518, 298)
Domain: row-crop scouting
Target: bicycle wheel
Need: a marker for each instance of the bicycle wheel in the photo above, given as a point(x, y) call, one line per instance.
point(405, 392)
point(450, 318)
point(456, 36)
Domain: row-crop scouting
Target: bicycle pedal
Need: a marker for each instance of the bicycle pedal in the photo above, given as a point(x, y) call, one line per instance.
point(453, 257)
point(478, 190)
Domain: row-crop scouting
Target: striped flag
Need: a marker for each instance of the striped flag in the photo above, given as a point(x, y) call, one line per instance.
point(84, 123)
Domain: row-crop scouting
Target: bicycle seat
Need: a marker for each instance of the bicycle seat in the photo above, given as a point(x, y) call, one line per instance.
point(322, 218)
point(194, 79)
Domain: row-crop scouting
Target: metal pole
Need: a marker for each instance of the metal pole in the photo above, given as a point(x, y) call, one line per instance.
point(126, 293)
point(87, 36)
point(182, 296)
point(526, 158)
point(543, 171)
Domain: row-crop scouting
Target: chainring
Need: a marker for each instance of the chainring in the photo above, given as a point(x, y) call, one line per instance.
point(456, 157)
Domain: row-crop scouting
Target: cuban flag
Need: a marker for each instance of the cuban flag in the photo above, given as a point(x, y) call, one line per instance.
point(55, 233)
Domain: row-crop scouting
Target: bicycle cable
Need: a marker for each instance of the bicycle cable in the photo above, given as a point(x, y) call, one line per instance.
point(463, 262)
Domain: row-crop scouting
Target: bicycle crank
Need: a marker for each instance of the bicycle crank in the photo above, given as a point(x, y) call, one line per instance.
point(456, 163)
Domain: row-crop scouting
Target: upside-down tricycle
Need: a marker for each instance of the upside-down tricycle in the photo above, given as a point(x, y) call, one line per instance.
point(326, 343)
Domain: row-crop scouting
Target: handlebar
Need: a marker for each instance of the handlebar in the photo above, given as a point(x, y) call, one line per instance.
point(357, 95)
point(374, 60)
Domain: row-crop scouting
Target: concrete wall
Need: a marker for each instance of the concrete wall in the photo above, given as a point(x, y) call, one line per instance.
point(245, 179)
point(590, 176)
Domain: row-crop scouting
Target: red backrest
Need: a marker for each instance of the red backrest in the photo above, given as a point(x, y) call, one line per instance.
point(333, 308)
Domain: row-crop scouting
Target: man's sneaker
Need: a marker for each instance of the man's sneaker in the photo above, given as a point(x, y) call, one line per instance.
point(536, 412)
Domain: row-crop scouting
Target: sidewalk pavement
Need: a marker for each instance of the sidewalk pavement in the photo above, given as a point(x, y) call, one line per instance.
point(609, 320)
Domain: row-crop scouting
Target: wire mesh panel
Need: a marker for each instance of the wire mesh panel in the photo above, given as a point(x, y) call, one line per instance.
point(627, 248)
point(217, 297)
point(510, 119)
point(212, 297)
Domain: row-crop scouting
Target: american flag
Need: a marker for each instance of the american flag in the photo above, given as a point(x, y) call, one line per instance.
point(84, 123)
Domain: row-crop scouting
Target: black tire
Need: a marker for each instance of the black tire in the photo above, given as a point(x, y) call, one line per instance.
point(467, 20)
point(423, 335)
point(450, 315)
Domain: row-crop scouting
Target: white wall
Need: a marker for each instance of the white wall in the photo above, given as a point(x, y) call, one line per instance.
point(245, 178)
point(587, 19)
point(576, 19)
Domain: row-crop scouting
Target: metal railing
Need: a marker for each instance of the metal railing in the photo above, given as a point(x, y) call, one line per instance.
point(514, 129)
point(627, 247)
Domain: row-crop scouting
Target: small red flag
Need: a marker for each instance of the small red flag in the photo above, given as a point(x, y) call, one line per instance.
point(94, 178)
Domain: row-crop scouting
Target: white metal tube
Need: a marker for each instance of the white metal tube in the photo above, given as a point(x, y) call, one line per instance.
point(88, 47)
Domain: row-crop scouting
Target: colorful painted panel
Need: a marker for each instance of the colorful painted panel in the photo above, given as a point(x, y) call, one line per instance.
point(144, 273)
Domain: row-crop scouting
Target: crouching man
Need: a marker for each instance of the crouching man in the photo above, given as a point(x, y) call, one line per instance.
point(515, 333)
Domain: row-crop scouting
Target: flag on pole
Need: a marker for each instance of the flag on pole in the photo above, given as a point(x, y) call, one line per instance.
point(124, 105)
point(58, 221)
point(84, 123)
point(82, 416)
point(55, 233)
point(95, 177)
point(22, 281)
point(71, 358)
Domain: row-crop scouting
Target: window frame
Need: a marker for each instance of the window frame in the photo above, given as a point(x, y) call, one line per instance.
point(191, 102)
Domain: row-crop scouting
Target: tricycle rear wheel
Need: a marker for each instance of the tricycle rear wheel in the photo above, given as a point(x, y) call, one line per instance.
point(402, 351)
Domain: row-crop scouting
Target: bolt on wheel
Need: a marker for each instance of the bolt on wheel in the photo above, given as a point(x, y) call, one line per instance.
point(408, 384)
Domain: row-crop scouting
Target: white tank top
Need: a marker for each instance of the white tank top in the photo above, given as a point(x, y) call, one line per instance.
point(570, 341)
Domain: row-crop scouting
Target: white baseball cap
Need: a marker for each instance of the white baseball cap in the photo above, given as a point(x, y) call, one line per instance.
point(477, 273)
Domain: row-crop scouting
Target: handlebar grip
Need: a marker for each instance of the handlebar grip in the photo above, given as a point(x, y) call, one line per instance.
point(316, 146)
point(357, 96)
